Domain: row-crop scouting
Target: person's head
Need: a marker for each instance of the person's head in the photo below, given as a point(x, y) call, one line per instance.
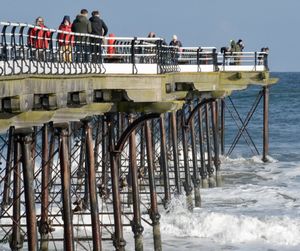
point(66, 20)
point(151, 34)
point(95, 13)
point(39, 21)
point(240, 41)
point(174, 38)
point(84, 12)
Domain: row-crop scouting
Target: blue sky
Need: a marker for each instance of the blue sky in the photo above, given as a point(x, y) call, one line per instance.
point(260, 23)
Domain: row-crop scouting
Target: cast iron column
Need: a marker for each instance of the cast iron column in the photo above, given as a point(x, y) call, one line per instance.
point(66, 187)
point(137, 227)
point(203, 169)
point(196, 176)
point(222, 126)
point(44, 225)
point(90, 161)
point(266, 124)
point(7, 180)
point(187, 182)
point(175, 152)
point(16, 241)
point(164, 160)
point(210, 169)
point(154, 215)
point(28, 172)
point(215, 131)
point(119, 241)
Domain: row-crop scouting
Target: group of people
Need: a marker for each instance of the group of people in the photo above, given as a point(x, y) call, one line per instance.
point(233, 46)
point(238, 47)
point(39, 39)
point(77, 47)
point(174, 42)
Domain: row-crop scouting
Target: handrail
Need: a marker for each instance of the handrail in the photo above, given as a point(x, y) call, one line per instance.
point(29, 49)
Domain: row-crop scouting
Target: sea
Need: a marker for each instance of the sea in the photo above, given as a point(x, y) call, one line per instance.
point(258, 206)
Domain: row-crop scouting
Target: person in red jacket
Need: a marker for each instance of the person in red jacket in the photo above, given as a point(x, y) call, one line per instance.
point(39, 39)
point(65, 40)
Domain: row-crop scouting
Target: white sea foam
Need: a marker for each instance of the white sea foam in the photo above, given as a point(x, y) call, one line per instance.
point(226, 228)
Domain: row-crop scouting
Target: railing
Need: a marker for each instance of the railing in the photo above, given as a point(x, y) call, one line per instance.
point(26, 49)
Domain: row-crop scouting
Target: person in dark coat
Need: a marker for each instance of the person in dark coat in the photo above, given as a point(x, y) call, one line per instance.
point(81, 24)
point(175, 42)
point(99, 28)
point(241, 44)
point(98, 25)
point(82, 44)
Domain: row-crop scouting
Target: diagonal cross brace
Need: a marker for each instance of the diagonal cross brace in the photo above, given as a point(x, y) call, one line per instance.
point(245, 123)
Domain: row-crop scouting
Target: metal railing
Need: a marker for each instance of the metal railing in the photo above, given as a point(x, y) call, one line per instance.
point(254, 60)
point(28, 49)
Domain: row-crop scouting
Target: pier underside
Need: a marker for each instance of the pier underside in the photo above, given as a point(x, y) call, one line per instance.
point(31, 100)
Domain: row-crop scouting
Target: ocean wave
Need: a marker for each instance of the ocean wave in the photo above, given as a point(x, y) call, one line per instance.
point(228, 228)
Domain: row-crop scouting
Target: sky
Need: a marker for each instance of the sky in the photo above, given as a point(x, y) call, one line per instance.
point(259, 23)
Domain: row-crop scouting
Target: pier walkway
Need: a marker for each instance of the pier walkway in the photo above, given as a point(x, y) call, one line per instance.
point(99, 133)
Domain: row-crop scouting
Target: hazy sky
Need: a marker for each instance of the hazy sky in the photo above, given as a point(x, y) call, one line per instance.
point(260, 23)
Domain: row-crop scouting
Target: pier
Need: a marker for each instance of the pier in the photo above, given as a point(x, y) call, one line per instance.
point(103, 139)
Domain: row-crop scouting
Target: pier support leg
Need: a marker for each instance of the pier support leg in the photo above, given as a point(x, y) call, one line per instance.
point(203, 169)
point(210, 169)
point(154, 215)
point(222, 129)
point(51, 152)
point(187, 182)
point(28, 172)
point(119, 241)
point(129, 175)
point(164, 161)
point(175, 152)
point(82, 174)
point(266, 124)
point(103, 186)
point(137, 228)
point(196, 175)
point(97, 143)
point(33, 145)
point(7, 180)
point(215, 131)
point(90, 161)
point(66, 187)
point(44, 224)
point(142, 151)
point(16, 239)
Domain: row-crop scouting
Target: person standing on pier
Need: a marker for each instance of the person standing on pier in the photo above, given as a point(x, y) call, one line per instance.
point(99, 28)
point(65, 40)
point(235, 50)
point(175, 42)
point(38, 39)
point(241, 44)
point(82, 25)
